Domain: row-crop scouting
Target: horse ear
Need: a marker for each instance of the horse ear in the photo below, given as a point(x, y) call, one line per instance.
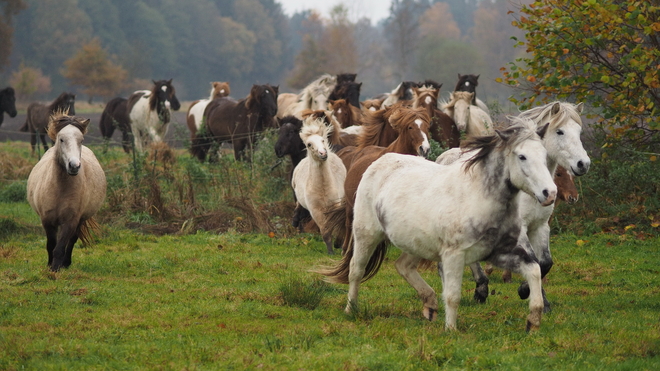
point(505, 135)
point(579, 108)
point(477, 77)
point(542, 130)
point(154, 81)
point(84, 123)
point(169, 82)
point(555, 108)
point(459, 76)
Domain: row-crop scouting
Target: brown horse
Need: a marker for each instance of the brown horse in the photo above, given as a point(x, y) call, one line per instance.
point(196, 110)
point(38, 115)
point(347, 114)
point(412, 126)
point(237, 122)
point(371, 104)
point(443, 128)
point(66, 188)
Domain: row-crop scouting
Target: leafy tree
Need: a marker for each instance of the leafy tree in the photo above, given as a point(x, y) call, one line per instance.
point(309, 63)
point(339, 43)
point(92, 69)
point(9, 9)
point(462, 11)
point(28, 81)
point(606, 53)
point(438, 21)
point(441, 59)
point(402, 33)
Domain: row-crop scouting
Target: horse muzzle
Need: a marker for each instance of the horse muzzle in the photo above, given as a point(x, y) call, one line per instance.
point(581, 168)
point(73, 168)
point(548, 198)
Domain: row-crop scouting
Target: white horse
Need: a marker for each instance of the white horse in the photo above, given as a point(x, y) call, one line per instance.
point(66, 188)
point(314, 97)
point(149, 113)
point(468, 118)
point(564, 147)
point(318, 180)
point(459, 213)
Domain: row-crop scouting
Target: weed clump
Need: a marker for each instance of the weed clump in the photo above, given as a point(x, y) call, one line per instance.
point(295, 292)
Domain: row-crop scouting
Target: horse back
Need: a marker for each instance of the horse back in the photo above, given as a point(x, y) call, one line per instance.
point(37, 117)
point(115, 113)
point(223, 116)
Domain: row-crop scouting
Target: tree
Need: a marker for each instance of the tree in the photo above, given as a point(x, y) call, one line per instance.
point(437, 21)
point(339, 43)
point(309, 64)
point(10, 9)
point(606, 53)
point(92, 69)
point(28, 81)
point(402, 33)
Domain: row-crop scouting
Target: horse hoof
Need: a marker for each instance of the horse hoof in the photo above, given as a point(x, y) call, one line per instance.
point(523, 290)
point(531, 327)
point(430, 314)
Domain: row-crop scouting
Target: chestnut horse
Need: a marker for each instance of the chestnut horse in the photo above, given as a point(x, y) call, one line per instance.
point(237, 122)
point(443, 128)
point(38, 115)
point(66, 188)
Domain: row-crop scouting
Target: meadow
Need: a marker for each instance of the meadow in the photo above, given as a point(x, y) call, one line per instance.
point(196, 267)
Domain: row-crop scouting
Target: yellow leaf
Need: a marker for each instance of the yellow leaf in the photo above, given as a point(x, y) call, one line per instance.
point(580, 242)
point(653, 158)
point(655, 225)
point(531, 78)
point(565, 51)
point(630, 226)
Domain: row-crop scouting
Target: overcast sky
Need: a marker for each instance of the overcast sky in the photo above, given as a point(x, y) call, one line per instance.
point(375, 10)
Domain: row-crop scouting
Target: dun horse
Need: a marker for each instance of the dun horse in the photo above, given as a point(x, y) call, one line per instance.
point(468, 118)
point(66, 188)
point(38, 115)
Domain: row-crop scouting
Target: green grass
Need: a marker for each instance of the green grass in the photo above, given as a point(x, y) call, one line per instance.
point(219, 301)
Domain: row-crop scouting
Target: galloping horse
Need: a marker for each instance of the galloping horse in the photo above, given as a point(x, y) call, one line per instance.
point(38, 115)
point(314, 96)
point(318, 180)
point(7, 103)
point(66, 188)
point(443, 128)
point(237, 122)
point(149, 113)
point(468, 118)
point(196, 110)
point(473, 216)
point(347, 114)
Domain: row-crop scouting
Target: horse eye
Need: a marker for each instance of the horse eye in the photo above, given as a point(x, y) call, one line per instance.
point(309, 144)
point(62, 140)
point(560, 132)
point(522, 157)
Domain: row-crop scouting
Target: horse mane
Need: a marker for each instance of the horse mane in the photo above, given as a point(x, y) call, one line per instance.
point(372, 125)
point(519, 130)
point(60, 119)
point(457, 96)
point(422, 92)
point(328, 119)
point(314, 126)
point(59, 101)
point(401, 116)
point(430, 84)
point(541, 113)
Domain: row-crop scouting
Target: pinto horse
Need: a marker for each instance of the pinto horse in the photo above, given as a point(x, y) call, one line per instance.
point(443, 128)
point(196, 110)
point(474, 216)
point(237, 122)
point(66, 188)
point(7, 103)
point(38, 115)
point(149, 113)
point(318, 180)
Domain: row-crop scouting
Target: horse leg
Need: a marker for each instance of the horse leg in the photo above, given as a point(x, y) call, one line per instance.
point(43, 141)
point(33, 141)
point(365, 242)
point(406, 265)
point(327, 238)
point(126, 141)
point(67, 231)
point(69, 250)
point(480, 277)
point(51, 241)
point(521, 260)
point(453, 263)
point(540, 240)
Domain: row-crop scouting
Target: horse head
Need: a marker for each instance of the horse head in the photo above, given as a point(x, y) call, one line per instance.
point(566, 189)
point(314, 134)
point(563, 138)
point(413, 126)
point(65, 103)
point(67, 132)
point(346, 77)
point(521, 159)
point(342, 112)
point(288, 140)
point(163, 95)
point(405, 92)
point(219, 89)
point(467, 83)
point(459, 105)
point(371, 104)
point(263, 98)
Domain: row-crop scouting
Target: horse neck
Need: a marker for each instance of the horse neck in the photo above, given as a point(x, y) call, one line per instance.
point(494, 180)
point(402, 144)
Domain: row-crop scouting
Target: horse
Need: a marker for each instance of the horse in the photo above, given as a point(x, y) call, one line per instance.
point(314, 96)
point(402, 92)
point(115, 115)
point(443, 128)
point(237, 122)
point(346, 77)
point(564, 148)
point(350, 91)
point(469, 83)
point(412, 128)
point(195, 113)
point(468, 118)
point(149, 113)
point(319, 178)
point(66, 188)
point(371, 104)
point(37, 117)
point(347, 114)
point(7, 103)
point(473, 216)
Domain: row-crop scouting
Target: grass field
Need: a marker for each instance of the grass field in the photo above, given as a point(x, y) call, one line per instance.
point(227, 300)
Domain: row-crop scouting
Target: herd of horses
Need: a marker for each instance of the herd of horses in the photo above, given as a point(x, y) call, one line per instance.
point(359, 171)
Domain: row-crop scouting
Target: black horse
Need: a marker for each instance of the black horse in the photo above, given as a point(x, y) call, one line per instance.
point(468, 83)
point(7, 103)
point(238, 122)
point(38, 114)
point(350, 91)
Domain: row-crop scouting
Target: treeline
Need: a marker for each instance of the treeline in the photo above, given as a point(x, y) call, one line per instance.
point(253, 41)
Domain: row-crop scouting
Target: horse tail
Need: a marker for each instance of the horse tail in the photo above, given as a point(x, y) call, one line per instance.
point(335, 218)
point(86, 231)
